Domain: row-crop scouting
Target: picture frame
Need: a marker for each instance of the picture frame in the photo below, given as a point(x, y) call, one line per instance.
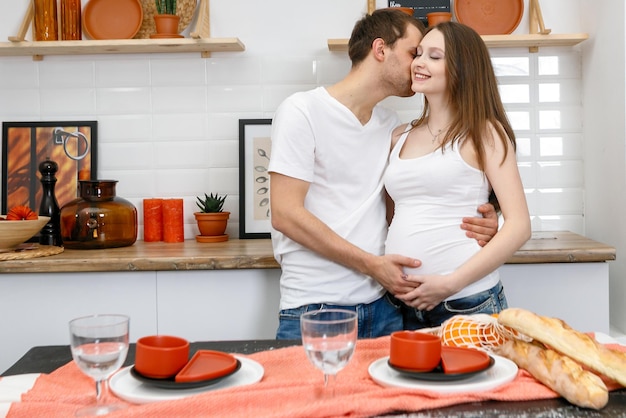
point(25, 145)
point(254, 156)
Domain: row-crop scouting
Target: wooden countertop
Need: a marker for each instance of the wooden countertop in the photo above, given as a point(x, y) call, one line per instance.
point(543, 247)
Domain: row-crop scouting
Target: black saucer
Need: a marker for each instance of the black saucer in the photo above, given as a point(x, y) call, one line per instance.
point(437, 375)
point(170, 383)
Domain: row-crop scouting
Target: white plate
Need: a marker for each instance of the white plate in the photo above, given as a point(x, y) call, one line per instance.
point(125, 386)
point(503, 371)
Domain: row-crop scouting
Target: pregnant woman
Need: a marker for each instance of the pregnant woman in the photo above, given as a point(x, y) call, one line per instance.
point(442, 166)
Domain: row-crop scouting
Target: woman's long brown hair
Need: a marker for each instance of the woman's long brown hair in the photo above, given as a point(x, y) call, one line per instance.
point(472, 90)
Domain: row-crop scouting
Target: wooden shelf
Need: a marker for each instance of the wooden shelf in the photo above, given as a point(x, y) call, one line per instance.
point(501, 41)
point(122, 46)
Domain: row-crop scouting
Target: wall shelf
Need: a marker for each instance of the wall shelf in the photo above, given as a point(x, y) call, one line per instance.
point(122, 46)
point(501, 41)
point(200, 41)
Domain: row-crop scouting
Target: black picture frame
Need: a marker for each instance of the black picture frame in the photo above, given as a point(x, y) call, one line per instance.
point(254, 155)
point(70, 144)
point(422, 7)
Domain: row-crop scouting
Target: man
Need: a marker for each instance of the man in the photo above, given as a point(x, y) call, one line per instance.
point(329, 151)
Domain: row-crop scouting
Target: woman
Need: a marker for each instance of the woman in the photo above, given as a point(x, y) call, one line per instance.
point(441, 167)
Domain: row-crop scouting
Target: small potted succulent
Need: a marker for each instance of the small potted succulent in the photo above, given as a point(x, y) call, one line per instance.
point(165, 19)
point(211, 219)
point(166, 7)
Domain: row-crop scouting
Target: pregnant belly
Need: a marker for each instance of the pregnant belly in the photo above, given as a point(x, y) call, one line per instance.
point(440, 249)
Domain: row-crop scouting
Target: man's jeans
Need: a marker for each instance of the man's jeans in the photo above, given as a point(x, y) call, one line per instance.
point(381, 317)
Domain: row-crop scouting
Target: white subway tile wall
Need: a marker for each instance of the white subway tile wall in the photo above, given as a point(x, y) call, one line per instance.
point(168, 124)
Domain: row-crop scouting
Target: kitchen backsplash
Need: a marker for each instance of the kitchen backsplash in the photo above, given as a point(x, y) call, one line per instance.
point(168, 123)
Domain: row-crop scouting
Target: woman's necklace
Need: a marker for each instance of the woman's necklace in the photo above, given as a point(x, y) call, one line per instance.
point(435, 136)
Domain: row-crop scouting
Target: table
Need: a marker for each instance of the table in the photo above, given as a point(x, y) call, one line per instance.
point(45, 359)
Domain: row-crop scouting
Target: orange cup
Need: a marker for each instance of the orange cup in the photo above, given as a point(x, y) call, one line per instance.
point(435, 18)
point(161, 356)
point(415, 350)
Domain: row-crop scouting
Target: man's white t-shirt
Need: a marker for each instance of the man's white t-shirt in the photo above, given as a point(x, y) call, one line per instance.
point(317, 139)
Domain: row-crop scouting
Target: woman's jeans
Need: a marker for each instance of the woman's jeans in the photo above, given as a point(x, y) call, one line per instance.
point(487, 302)
point(381, 317)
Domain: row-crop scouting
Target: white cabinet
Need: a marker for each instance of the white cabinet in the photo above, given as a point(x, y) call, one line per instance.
point(198, 305)
point(218, 304)
point(35, 308)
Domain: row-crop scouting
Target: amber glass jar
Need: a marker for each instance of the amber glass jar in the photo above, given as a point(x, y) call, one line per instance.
point(98, 218)
point(71, 30)
point(46, 24)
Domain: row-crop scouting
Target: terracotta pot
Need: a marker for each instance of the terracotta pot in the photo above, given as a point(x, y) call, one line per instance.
point(437, 17)
point(212, 226)
point(166, 24)
point(407, 10)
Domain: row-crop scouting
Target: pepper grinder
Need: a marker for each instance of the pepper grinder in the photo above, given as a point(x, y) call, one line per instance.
point(51, 233)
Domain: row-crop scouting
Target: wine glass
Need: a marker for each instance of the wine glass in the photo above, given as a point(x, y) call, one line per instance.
point(329, 338)
point(99, 346)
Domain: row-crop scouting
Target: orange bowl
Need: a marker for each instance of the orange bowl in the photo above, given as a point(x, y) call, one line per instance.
point(161, 356)
point(415, 350)
point(13, 233)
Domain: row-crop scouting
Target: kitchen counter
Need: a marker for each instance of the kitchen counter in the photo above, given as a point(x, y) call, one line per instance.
point(543, 247)
point(181, 288)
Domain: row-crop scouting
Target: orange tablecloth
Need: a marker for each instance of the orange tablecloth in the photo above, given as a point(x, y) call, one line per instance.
point(291, 387)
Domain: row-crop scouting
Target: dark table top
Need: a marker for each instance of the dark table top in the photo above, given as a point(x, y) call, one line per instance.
point(46, 359)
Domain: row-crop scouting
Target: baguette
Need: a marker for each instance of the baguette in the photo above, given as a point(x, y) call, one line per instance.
point(560, 373)
point(559, 336)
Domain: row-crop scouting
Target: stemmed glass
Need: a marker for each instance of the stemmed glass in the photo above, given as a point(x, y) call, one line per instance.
point(329, 338)
point(99, 346)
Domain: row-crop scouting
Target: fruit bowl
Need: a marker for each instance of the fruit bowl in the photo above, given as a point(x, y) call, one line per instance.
point(13, 233)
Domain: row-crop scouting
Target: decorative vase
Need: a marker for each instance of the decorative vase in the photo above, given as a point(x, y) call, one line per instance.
point(71, 29)
point(45, 18)
point(212, 226)
point(98, 218)
point(166, 26)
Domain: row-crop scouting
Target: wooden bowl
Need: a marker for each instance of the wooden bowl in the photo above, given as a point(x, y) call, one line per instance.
point(13, 233)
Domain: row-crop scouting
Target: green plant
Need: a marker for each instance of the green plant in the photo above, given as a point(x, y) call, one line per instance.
point(211, 204)
point(166, 7)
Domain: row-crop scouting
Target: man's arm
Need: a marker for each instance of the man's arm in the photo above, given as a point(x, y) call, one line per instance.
point(482, 229)
point(290, 217)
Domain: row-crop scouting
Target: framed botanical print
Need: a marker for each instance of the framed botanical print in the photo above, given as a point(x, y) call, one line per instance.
point(254, 183)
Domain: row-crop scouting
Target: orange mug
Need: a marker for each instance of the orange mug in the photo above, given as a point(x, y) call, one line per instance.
point(415, 350)
point(161, 356)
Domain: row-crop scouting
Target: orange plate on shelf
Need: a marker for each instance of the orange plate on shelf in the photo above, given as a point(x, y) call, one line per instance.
point(489, 17)
point(207, 364)
point(112, 19)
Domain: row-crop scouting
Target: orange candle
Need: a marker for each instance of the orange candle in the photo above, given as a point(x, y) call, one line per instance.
point(152, 220)
point(173, 227)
